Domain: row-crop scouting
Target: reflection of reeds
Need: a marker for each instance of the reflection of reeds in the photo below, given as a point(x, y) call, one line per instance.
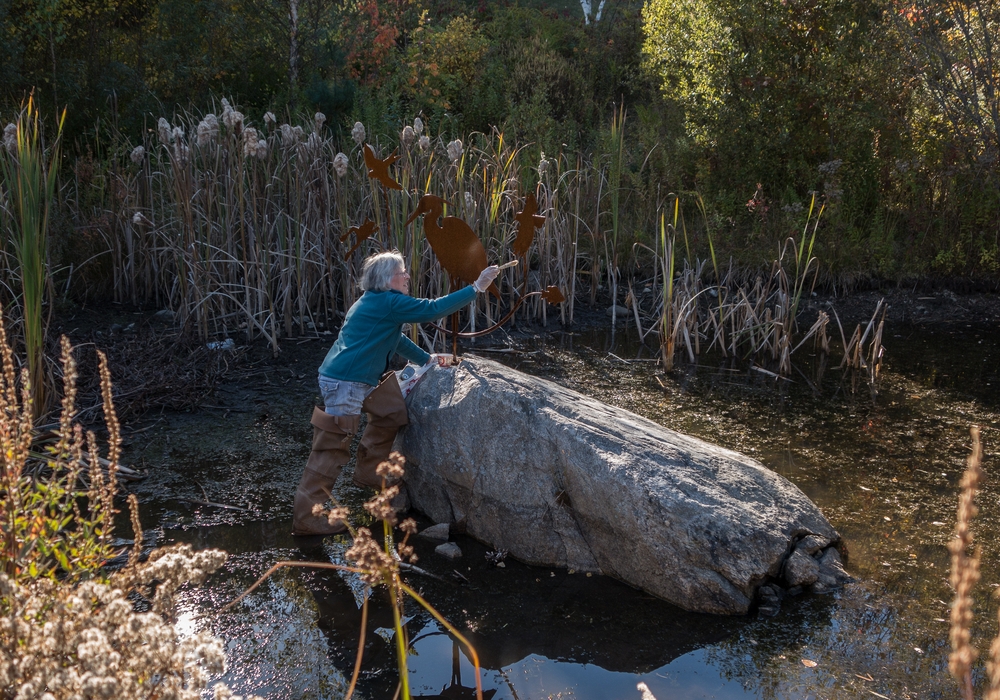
point(380, 564)
point(965, 573)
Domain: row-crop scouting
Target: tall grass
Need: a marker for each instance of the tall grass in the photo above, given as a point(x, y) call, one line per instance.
point(243, 233)
point(29, 172)
point(245, 230)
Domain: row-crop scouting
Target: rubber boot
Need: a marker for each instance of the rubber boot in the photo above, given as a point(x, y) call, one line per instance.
point(386, 409)
point(330, 452)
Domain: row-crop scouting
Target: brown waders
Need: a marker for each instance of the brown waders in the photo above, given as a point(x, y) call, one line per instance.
point(331, 444)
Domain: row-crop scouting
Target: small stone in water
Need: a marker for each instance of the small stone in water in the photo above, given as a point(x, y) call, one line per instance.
point(448, 550)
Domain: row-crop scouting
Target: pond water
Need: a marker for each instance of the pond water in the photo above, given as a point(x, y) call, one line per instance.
point(883, 466)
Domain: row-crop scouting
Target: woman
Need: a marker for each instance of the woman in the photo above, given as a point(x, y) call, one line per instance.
point(349, 380)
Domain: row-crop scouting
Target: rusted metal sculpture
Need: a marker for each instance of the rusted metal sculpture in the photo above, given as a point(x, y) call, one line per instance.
point(553, 295)
point(455, 244)
point(528, 220)
point(379, 169)
point(363, 232)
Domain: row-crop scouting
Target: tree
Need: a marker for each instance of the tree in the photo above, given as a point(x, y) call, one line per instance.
point(956, 46)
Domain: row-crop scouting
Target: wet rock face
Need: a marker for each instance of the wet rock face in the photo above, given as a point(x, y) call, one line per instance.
point(559, 479)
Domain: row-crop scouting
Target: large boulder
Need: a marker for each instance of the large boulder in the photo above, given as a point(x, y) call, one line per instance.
point(560, 479)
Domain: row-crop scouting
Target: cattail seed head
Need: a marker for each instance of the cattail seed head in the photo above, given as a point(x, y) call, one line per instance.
point(318, 120)
point(424, 143)
point(10, 138)
point(287, 138)
point(208, 130)
point(358, 133)
point(418, 126)
point(250, 142)
point(269, 119)
point(407, 136)
point(543, 165)
point(163, 130)
point(137, 155)
point(470, 203)
point(231, 118)
point(455, 150)
point(340, 164)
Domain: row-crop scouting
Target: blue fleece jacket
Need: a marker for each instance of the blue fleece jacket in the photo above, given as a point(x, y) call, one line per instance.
point(371, 333)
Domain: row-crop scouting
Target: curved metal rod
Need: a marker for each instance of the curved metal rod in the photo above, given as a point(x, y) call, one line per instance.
point(495, 326)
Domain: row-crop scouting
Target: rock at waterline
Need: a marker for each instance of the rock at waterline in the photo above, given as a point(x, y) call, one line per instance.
point(560, 479)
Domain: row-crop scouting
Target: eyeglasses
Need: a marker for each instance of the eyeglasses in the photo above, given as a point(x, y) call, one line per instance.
point(402, 272)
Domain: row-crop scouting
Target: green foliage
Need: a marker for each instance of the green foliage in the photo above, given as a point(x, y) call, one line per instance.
point(47, 532)
point(29, 173)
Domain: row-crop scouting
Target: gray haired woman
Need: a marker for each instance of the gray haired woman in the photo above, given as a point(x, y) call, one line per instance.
point(354, 377)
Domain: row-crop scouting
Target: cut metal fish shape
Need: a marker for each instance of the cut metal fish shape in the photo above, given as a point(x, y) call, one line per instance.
point(379, 169)
point(528, 220)
point(553, 295)
point(455, 244)
point(364, 232)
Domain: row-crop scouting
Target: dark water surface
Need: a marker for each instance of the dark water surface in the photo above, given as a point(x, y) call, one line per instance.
point(884, 468)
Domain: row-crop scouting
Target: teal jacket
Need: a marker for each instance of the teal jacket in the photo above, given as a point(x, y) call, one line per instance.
point(371, 333)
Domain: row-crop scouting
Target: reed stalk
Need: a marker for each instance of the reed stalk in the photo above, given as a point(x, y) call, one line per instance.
point(964, 573)
point(30, 173)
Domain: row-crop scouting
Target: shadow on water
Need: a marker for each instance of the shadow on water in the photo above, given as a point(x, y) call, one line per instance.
point(884, 466)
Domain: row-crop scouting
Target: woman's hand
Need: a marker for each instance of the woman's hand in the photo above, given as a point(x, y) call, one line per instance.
point(486, 278)
point(443, 359)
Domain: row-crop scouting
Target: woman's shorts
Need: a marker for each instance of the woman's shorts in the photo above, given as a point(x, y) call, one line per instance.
point(343, 398)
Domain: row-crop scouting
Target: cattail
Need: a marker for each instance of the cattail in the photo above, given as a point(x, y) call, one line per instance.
point(208, 130)
point(10, 138)
point(418, 126)
point(137, 155)
point(137, 218)
point(340, 164)
point(424, 143)
point(407, 136)
point(318, 120)
point(231, 118)
point(646, 693)
point(964, 572)
point(269, 119)
point(358, 133)
point(470, 203)
point(298, 133)
point(250, 142)
point(261, 149)
point(163, 130)
point(287, 138)
point(455, 150)
point(543, 165)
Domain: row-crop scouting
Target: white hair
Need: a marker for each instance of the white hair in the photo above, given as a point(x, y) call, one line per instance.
point(378, 270)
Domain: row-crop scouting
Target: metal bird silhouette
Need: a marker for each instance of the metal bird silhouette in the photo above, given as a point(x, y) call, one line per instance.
point(364, 232)
point(553, 295)
point(528, 220)
point(379, 169)
point(456, 246)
